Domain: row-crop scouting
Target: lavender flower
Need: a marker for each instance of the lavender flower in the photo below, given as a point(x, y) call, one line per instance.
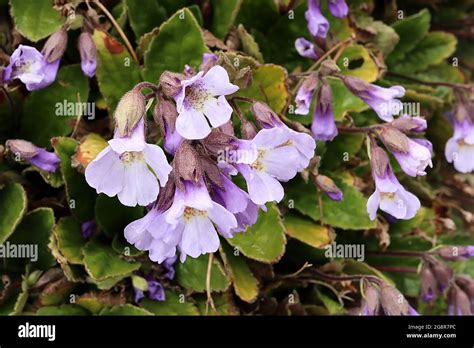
point(88, 229)
point(389, 194)
point(169, 266)
point(129, 168)
point(460, 147)
point(305, 48)
point(34, 155)
point(30, 67)
point(305, 95)
point(323, 126)
point(197, 101)
point(338, 8)
point(154, 289)
point(88, 54)
point(318, 25)
point(382, 100)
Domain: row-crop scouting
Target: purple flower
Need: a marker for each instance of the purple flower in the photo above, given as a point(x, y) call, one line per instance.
point(208, 61)
point(323, 126)
point(30, 67)
point(34, 155)
point(154, 289)
point(382, 100)
point(460, 147)
point(129, 168)
point(169, 266)
point(88, 54)
point(305, 48)
point(305, 95)
point(328, 186)
point(88, 229)
point(338, 8)
point(260, 162)
point(318, 25)
point(416, 159)
point(429, 285)
point(197, 101)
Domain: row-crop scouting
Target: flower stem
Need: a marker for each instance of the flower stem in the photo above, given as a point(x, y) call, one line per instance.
point(355, 277)
point(398, 253)
point(396, 269)
point(208, 284)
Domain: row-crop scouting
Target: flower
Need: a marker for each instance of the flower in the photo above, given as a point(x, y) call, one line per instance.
point(153, 287)
point(328, 186)
point(265, 160)
point(323, 126)
point(88, 229)
point(456, 253)
point(406, 123)
point(88, 53)
point(169, 266)
point(129, 168)
point(30, 67)
point(429, 284)
point(305, 95)
point(305, 48)
point(165, 115)
point(34, 155)
point(460, 147)
point(415, 160)
point(318, 25)
point(338, 8)
point(389, 194)
point(197, 101)
point(382, 100)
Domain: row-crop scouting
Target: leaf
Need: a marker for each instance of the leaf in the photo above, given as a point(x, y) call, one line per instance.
point(69, 239)
point(349, 214)
point(144, 16)
point(73, 273)
point(63, 310)
point(112, 216)
point(192, 274)
point(224, 13)
point(91, 145)
point(54, 179)
point(102, 262)
point(179, 42)
point(333, 307)
point(411, 30)
point(223, 302)
point(269, 86)
point(44, 115)
point(265, 240)
point(248, 43)
point(13, 205)
point(35, 229)
point(126, 309)
point(171, 306)
point(245, 283)
point(56, 292)
point(35, 19)
point(366, 66)
point(342, 149)
point(117, 72)
point(433, 49)
point(384, 36)
point(307, 231)
point(80, 196)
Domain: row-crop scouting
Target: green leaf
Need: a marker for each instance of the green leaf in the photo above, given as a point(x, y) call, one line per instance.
point(366, 66)
point(69, 239)
point(54, 179)
point(80, 196)
point(349, 214)
point(56, 292)
point(63, 310)
point(433, 49)
point(223, 302)
point(307, 231)
point(384, 36)
point(117, 72)
point(102, 262)
point(341, 150)
point(245, 283)
point(35, 229)
point(35, 19)
point(411, 31)
point(224, 13)
point(248, 44)
point(269, 86)
point(13, 205)
point(179, 42)
point(173, 305)
point(113, 217)
point(126, 309)
point(192, 274)
point(265, 240)
point(144, 16)
point(43, 114)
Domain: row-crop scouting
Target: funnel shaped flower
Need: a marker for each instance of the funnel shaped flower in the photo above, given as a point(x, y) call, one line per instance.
point(305, 48)
point(34, 155)
point(415, 160)
point(201, 99)
point(382, 100)
point(392, 198)
point(30, 67)
point(129, 168)
point(460, 147)
point(318, 25)
point(338, 8)
point(305, 95)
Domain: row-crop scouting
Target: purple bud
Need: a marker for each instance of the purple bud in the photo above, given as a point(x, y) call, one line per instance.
point(407, 123)
point(265, 116)
point(36, 156)
point(458, 302)
point(456, 253)
point(208, 61)
point(248, 130)
point(88, 229)
point(378, 160)
point(338, 8)
point(394, 139)
point(165, 116)
point(442, 273)
point(186, 165)
point(55, 46)
point(217, 142)
point(371, 301)
point(156, 291)
point(467, 285)
point(323, 126)
point(88, 54)
point(328, 186)
point(460, 147)
point(393, 302)
point(429, 286)
point(129, 112)
point(170, 83)
point(305, 48)
point(318, 25)
point(169, 266)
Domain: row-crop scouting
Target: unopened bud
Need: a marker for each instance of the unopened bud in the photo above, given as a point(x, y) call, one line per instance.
point(186, 165)
point(456, 253)
point(244, 78)
point(55, 46)
point(208, 61)
point(328, 186)
point(129, 111)
point(329, 67)
point(227, 128)
point(407, 123)
point(23, 148)
point(379, 160)
point(371, 301)
point(392, 300)
point(466, 283)
point(170, 83)
point(429, 286)
point(217, 142)
point(458, 302)
point(211, 171)
point(442, 273)
point(88, 53)
point(265, 116)
point(394, 139)
point(248, 130)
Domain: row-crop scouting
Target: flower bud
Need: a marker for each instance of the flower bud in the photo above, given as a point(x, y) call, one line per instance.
point(22, 148)
point(392, 300)
point(429, 286)
point(265, 116)
point(55, 46)
point(217, 142)
point(328, 186)
point(25, 151)
point(129, 111)
point(227, 128)
point(186, 165)
point(394, 139)
point(211, 171)
point(456, 253)
point(442, 273)
point(466, 283)
point(166, 195)
point(379, 160)
point(329, 67)
point(165, 116)
point(407, 123)
point(248, 130)
point(371, 301)
point(170, 83)
point(88, 53)
point(458, 302)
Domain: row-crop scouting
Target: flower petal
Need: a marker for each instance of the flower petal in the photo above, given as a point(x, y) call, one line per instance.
point(218, 111)
point(106, 173)
point(156, 159)
point(216, 81)
point(191, 124)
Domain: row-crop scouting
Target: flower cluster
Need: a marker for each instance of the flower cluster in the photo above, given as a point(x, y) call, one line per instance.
point(198, 200)
point(384, 299)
